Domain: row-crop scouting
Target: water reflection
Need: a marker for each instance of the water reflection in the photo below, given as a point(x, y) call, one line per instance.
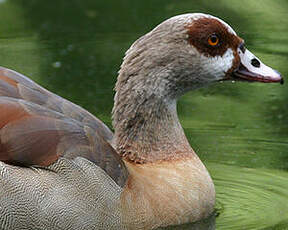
point(75, 48)
point(250, 198)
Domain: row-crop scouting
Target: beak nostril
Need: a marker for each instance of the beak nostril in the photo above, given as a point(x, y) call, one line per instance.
point(255, 62)
point(242, 48)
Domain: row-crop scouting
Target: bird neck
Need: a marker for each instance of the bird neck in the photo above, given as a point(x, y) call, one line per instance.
point(147, 129)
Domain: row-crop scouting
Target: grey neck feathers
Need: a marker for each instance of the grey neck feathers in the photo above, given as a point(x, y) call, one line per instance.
point(145, 118)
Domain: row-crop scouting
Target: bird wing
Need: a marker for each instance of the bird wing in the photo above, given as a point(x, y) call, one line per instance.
point(16, 85)
point(37, 127)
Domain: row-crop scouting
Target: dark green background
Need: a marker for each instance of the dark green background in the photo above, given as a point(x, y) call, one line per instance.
point(74, 48)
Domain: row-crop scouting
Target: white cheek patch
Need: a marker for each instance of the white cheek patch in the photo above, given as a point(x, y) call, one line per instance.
point(216, 67)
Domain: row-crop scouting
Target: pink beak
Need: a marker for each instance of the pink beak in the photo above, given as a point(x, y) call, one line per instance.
point(252, 69)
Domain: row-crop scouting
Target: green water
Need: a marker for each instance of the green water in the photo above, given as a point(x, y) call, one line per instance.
point(74, 48)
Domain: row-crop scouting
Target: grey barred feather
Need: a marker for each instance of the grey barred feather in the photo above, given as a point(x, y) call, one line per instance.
point(69, 194)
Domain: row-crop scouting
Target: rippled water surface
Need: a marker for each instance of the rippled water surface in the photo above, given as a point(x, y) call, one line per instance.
point(240, 130)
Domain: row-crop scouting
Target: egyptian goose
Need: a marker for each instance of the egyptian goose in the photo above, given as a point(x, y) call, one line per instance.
point(49, 147)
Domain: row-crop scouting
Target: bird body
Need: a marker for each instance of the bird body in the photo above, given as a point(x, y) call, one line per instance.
point(152, 177)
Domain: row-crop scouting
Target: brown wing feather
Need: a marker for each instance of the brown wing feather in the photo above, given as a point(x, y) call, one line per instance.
point(37, 127)
point(16, 85)
point(31, 135)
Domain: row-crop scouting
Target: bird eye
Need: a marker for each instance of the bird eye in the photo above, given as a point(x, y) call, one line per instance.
point(213, 40)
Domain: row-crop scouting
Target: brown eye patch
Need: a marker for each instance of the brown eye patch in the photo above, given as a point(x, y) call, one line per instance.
point(211, 38)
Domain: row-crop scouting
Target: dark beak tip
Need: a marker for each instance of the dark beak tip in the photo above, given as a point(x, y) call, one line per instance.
point(282, 79)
